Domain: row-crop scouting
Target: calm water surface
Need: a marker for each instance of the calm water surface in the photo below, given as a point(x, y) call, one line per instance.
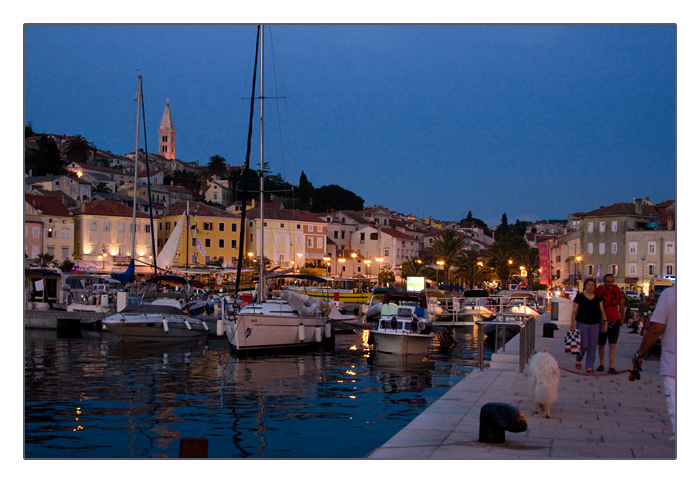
point(91, 396)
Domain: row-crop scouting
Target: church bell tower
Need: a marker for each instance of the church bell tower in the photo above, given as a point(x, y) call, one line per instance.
point(166, 132)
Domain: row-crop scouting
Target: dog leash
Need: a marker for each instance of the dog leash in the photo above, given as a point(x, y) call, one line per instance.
point(594, 374)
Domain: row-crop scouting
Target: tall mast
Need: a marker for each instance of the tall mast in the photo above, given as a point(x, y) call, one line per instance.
point(136, 170)
point(261, 280)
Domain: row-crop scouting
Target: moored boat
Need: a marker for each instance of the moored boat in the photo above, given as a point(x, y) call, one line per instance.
point(403, 327)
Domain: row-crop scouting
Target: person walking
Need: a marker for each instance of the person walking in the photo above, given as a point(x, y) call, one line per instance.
point(585, 316)
point(663, 325)
point(614, 304)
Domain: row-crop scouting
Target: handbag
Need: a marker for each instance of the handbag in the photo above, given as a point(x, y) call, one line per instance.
point(572, 341)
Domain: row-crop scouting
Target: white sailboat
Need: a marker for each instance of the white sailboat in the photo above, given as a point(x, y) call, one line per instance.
point(294, 320)
point(160, 317)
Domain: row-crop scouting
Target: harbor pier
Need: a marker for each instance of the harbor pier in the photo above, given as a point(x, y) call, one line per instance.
point(596, 416)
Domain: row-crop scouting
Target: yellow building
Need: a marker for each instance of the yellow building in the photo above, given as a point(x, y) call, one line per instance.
point(103, 234)
point(293, 238)
point(209, 234)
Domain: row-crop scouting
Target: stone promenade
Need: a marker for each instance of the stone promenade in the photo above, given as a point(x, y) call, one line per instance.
point(600, 416)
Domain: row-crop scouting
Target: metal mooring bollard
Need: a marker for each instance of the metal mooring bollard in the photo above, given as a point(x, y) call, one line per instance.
point(194, 448)
point(497, 418)
point(548, 329)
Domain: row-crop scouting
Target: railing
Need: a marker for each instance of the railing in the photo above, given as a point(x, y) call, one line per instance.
point(500, 323)
point(467, 310)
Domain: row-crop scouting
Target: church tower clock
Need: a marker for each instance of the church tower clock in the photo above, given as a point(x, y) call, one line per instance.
point(166, 132)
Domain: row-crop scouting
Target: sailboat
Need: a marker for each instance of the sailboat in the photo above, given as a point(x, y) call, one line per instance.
point(293, 321)
point(160, 317)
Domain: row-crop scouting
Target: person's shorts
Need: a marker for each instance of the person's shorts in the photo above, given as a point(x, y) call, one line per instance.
point(611, 335)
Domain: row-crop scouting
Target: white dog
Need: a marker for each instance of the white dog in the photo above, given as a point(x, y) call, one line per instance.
point(543, 372)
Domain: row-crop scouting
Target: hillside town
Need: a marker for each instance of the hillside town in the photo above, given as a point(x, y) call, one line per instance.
point(82, 220)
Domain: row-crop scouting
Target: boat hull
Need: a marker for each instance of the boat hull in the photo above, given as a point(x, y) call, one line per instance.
point(150, 328)
point(260, 332)
point(347, 297)
point(399, 342)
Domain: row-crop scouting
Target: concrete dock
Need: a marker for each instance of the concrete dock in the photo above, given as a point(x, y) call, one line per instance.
point(596, 416)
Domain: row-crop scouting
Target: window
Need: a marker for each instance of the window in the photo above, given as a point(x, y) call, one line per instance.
point(221, 227)
point(362, 237)
point(374, 236)
point(93, 226)
point(194, 241)
point(167, 226)
point(614, 269)
point(590, 227)
point(613, 248)
point(632, 269)
point(310, 243)
point(36, 232)
point(601, 248)
point(602, 227)
point(233, 244)
point(589, 248)
point(148, 228)
point(613, 226)
point(652, 248)
point(669, 269)
point(208, 225)
point(64, 253)
point(234, 227)
point(282, 239)
point(50, 251)
point(121, 227)
point(108, 226)
point(670, 248)
point(386, 252)
point(298, 240)
point(319, 228)
point(319, 242)
point(207, 242)
point(651, 269)
point(632, 248)
point(589, 270)
point(221, 243)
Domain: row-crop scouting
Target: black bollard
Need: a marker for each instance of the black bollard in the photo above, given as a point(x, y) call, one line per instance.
point(497, 418)
point(548, 329)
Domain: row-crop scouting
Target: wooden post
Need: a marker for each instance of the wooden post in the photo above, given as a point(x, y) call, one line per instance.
point(194, 447)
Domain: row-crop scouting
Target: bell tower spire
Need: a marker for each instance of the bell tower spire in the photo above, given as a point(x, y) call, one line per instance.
point(166, 132)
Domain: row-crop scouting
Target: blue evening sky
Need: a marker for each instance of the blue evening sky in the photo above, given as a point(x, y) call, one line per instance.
point(537, 121)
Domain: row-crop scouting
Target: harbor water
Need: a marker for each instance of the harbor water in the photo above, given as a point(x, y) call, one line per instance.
point(88, 395)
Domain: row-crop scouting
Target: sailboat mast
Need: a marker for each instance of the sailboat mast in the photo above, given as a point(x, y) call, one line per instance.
point(136, 169)
point(261, 279)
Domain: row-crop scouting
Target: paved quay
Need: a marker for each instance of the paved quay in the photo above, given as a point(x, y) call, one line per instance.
point(602, 416)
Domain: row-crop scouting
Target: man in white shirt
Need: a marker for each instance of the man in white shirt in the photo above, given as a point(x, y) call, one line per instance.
point(663, 324)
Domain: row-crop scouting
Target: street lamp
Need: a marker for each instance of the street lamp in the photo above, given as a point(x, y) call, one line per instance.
point(103, 257)
point(479, 265)
point(578, 260)
point(440, 263)
point(643, 258)
point(342, 260)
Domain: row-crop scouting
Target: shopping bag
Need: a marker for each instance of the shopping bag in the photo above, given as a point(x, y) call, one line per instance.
point(572, 341)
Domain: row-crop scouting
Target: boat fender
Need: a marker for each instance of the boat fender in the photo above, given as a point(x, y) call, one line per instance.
point(318, 334)
point(220, 327)
point(393, 323)
point(328, 330)
point(206, 327)
point(300, 333)
point(187, 324)
point(165, 325)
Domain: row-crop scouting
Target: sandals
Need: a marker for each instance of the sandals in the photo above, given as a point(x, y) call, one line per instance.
point(578, 365)
point(590, 371)
point(612, 371)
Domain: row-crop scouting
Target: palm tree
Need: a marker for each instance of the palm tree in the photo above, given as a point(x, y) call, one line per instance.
point(412, 268)
point(529, 257)
point(217, 165)
point(101, 187)
point(386, 275)
point(500, 258)
point(78, 149)
point(446, 248)
point(472, 269)
point(44, 259)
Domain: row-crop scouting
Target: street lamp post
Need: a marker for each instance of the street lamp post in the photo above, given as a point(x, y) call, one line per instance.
point(643, 258)
point(578, 260)
point(103, 257)
point(477, 265)
point(440, 263)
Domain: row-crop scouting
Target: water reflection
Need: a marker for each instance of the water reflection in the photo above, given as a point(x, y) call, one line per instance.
point(93, 397)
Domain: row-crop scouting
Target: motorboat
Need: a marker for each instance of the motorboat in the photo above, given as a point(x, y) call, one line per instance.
point(160, 317)
point(292, 321)
point(403, 326)
point(90, 293)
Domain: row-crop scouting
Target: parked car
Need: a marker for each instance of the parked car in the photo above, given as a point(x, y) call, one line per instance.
point(631, 294)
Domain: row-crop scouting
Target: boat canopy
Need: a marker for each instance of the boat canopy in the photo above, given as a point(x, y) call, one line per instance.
point(405, 298)
point(297, 277)
point(41, 273)
point(169, 278)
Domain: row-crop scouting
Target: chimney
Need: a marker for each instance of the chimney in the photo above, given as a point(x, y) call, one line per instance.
point(637, 206)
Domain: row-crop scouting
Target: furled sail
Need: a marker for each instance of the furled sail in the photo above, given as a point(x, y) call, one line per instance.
point(165, 258)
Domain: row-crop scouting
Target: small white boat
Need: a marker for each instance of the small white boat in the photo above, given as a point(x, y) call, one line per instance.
point(403, 326)
point(160, 316)
point(293, 321)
